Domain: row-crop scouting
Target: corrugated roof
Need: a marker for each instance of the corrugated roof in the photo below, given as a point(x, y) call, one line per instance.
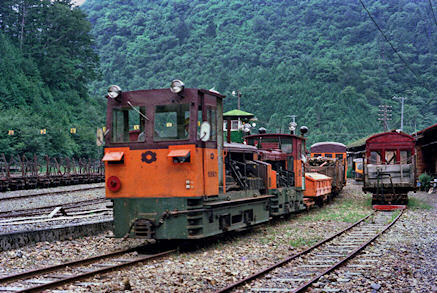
point(424, 130)
point(359, 142)
point(238, 113)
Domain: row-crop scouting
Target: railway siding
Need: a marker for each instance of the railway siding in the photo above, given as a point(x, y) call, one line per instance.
point(409, 245)
point(15, 240)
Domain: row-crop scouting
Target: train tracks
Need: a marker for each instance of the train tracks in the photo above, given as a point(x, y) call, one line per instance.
point(48, 193)
point(71, 272)
point(298, 272)
point(67, 208)
point(54, 222)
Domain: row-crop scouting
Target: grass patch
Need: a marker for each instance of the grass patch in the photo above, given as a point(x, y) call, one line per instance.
point(302, 241)
point(414, 203)
point(346, 210)
point(393, 216)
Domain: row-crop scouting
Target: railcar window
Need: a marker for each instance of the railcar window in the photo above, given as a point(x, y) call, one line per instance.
point(317, 155)
point(171, 122)
point(405, 157)
point(128, 124)
point(328, 155)
point(375, 158)
point(339, 156)
point(390, 157)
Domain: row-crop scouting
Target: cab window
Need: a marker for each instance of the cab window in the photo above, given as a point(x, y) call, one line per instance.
point(375, 158)
point(405, 157)
point(171, 122)
point(211, 116)
point(287, 145)
point(128, 124)
point(390, 157)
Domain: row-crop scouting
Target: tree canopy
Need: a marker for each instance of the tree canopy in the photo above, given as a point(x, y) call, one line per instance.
point(47, 62)
point(324, 61)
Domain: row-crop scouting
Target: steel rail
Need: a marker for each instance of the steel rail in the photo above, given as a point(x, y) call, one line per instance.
point(63, 265)
point(32, 211)
point(63, 281)
point(95, 272)
point(281, 263)
point(348, 257)
point(49, 192)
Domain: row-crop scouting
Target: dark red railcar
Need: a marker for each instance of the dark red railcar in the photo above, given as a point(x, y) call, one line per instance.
point(389, 167)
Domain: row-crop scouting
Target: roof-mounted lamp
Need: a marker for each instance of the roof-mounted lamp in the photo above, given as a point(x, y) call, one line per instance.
point(114, 92)
point(177, 86)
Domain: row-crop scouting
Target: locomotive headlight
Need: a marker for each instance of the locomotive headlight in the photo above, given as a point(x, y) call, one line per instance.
point(176, 86)
point(114, 91)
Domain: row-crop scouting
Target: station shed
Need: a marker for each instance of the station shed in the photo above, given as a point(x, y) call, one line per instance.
point(237, 125)
point(356, 150)
point(426, 150)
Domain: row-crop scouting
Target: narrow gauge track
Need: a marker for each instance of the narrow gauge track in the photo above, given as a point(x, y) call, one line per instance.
point(38, 211)
point(298, 272)
point(67, 273)
point(48, 193)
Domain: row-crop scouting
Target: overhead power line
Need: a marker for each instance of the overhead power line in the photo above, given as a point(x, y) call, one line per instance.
point(432, 10)
point(388, 41)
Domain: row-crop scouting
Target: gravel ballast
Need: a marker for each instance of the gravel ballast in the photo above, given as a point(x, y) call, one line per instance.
point(408, 248)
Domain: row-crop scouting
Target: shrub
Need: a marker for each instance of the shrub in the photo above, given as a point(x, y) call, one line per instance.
point(425, 180)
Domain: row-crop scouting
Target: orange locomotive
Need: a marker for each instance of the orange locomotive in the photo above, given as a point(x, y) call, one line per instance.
point(170, 174)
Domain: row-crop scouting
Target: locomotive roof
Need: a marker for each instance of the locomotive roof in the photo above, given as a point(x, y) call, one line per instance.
point(275, 135)
point(152, 92)
point(328, 146)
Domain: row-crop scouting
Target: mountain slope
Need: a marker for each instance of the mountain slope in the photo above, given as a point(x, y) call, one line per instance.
point(323, 61)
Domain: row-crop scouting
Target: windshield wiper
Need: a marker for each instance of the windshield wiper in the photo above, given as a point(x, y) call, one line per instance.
point(144, 116)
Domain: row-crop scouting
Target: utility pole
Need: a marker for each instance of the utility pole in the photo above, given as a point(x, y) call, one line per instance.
point(384, 115)
point(402, 99)
point(238, 93)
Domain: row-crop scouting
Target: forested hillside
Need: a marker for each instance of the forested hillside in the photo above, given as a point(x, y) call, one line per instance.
point(324, 61)
point(46, 63)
